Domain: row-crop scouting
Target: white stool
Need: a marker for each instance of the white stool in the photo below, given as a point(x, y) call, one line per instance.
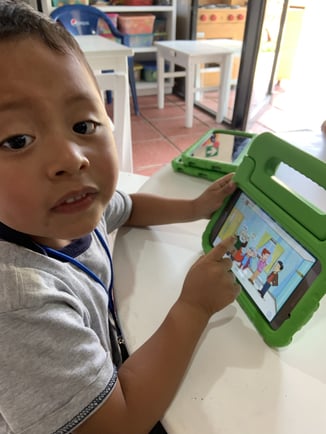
point(189, 55)
point(103, 54)
point(118, 83)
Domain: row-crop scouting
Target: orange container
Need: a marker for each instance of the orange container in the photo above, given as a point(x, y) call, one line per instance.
point(134, 24)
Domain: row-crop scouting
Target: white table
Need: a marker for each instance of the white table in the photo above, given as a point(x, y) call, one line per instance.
point(235, 383)
point(189, 55)
point(104, 54)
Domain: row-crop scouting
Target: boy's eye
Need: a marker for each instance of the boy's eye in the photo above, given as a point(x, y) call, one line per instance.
point(17, 142)
point(85, 127)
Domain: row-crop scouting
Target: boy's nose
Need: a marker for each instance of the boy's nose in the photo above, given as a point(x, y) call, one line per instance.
point(68, 159)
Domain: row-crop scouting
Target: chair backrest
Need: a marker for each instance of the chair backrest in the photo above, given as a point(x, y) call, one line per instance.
point(86, 20)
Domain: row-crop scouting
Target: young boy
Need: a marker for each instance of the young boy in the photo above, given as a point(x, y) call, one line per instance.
point(60, 366)
point(272, 278)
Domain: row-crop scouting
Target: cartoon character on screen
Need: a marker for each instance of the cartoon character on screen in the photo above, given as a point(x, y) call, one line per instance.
point(242, 240)
point(262, 262)
point(248, 256)
point(272, 278)
point(211, 146)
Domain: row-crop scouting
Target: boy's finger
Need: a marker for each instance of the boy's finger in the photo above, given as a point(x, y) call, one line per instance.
point(227, 187)
point(222, 248)
point(226, 180)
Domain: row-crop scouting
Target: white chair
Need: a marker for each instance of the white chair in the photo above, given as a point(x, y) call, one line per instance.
point(118, 84)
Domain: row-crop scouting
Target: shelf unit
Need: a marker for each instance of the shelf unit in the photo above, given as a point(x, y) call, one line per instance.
point(141, 53)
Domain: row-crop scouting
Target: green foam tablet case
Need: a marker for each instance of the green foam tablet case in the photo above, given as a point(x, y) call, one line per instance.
point(179, 166)
point(304, 221)
point(218, 150)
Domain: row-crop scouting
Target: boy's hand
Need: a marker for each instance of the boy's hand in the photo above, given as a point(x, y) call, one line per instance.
point(209, 285)
point(212, 198)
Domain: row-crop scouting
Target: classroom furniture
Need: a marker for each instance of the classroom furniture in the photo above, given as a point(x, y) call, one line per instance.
point(82, 19)
point(102, 53)
point(164, 28)
point(190, 55)
point(235, 383)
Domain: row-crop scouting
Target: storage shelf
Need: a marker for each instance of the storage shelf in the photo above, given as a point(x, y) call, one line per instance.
point(48, 8)
point(145, 84)
point(151, 49)
point(141, 53)
point(150, 88)
point(133, 9)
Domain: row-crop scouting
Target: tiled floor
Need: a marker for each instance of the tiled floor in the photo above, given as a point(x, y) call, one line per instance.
point(160, 135)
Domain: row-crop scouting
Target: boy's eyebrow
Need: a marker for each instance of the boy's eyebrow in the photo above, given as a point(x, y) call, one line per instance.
point(12, 104)
point(80, 97)
point(25, 102)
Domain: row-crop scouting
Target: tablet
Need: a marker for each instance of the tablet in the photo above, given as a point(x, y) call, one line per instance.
point(220, 150)
point(273, 268)
point(178, 165)
point(220, 147)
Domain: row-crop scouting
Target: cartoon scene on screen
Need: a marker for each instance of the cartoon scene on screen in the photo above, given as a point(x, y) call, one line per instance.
point(221, 147)
point(267, 261)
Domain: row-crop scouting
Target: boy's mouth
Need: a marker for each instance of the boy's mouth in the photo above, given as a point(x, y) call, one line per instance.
point(76, 198)
point(75, 201)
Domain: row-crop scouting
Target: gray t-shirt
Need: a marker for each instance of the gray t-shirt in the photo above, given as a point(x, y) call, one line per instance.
point(56, 363)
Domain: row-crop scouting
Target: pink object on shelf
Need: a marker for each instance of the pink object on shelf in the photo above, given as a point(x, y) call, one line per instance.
point(135, 24)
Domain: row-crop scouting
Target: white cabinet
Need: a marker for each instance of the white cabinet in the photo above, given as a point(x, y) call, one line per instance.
point(141, 53)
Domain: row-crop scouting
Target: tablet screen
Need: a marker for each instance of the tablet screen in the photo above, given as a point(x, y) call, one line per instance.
point(221, 147)
point(272, 267)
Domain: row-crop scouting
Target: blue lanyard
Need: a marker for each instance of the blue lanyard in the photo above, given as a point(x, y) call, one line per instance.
point(109, 290)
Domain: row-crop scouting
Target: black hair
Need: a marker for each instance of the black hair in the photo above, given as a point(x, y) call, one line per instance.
point(18, 20)
point(281, 265)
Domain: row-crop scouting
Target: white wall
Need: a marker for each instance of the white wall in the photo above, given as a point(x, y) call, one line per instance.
point(308, 80)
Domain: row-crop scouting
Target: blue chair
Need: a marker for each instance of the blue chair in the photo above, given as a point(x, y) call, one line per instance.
point(87, 20)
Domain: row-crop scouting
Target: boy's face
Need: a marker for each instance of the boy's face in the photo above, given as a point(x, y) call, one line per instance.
point(58, 162)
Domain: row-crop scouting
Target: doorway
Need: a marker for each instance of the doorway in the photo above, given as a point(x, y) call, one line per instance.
point(296, 97)
point(302, 95)
point(261, 46)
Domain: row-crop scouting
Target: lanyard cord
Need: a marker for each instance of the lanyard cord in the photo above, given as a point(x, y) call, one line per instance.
point(109, 290)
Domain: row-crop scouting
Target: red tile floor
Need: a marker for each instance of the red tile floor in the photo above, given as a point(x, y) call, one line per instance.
point(160, 135)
